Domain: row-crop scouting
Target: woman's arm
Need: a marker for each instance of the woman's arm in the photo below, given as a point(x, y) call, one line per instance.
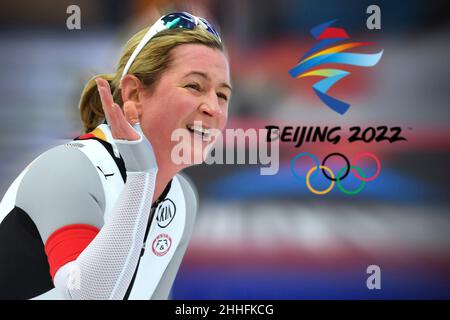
point(63, 196)
point(106, 267)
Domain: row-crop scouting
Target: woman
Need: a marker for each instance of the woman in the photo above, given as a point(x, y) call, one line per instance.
point(107, 216)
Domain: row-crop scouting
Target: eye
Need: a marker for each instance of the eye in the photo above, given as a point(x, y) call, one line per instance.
point(222, 96)
point(194, 86)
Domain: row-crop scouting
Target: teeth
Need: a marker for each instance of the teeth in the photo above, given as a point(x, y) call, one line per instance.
point(198, 130)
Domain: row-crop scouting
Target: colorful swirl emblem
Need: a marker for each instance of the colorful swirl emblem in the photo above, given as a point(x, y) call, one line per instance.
point(322, 53)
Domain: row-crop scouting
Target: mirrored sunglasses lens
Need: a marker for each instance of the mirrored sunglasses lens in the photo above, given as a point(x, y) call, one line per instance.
point(180, 20)
point(210, 27)
point(187, 21)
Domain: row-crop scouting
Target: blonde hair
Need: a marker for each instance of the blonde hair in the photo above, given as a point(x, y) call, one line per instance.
point(148, 66)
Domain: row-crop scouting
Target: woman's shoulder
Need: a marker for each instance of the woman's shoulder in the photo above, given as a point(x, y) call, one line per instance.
point(62, 167)
point(77, 156)
point(59, 187)
point(81, 160)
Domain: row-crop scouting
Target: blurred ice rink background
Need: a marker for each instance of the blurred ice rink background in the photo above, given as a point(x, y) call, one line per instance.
point(264, 237)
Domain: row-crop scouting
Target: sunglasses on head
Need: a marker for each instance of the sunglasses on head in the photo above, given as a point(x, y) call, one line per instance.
point(170, 21)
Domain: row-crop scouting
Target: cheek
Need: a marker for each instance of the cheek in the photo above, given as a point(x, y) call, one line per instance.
point(159, 125)
point(161, 117)
point(176, 106)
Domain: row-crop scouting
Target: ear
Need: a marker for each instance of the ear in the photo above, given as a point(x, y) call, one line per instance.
point(131, 86)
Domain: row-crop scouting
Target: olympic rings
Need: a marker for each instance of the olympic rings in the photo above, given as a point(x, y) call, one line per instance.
point(347, 171)
point(341, 175)
point(368, 154)
point(359, 189)
point(302, 154)
point(308, 184)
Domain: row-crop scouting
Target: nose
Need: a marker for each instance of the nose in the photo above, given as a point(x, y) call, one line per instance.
point(211, 109)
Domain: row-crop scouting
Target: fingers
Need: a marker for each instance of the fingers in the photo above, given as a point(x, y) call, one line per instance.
point(119, 123)
point(109, 106)
point(106, 98)
point(121, 128)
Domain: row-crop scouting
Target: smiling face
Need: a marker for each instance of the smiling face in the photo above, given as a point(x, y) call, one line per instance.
point(194, 89)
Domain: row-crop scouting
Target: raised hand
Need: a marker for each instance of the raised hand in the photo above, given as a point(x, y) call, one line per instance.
point(121, 124)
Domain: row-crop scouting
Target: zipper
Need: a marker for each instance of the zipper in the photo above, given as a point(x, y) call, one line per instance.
point(147, 230)
point(149, 223)
point(143, 249)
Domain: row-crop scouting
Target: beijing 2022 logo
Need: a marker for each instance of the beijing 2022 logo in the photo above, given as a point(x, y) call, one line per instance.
point(322, 53)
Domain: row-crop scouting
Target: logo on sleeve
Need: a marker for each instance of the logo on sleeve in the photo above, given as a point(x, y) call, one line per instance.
point(105, 174)
point(161, 245)
point(165, 212)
